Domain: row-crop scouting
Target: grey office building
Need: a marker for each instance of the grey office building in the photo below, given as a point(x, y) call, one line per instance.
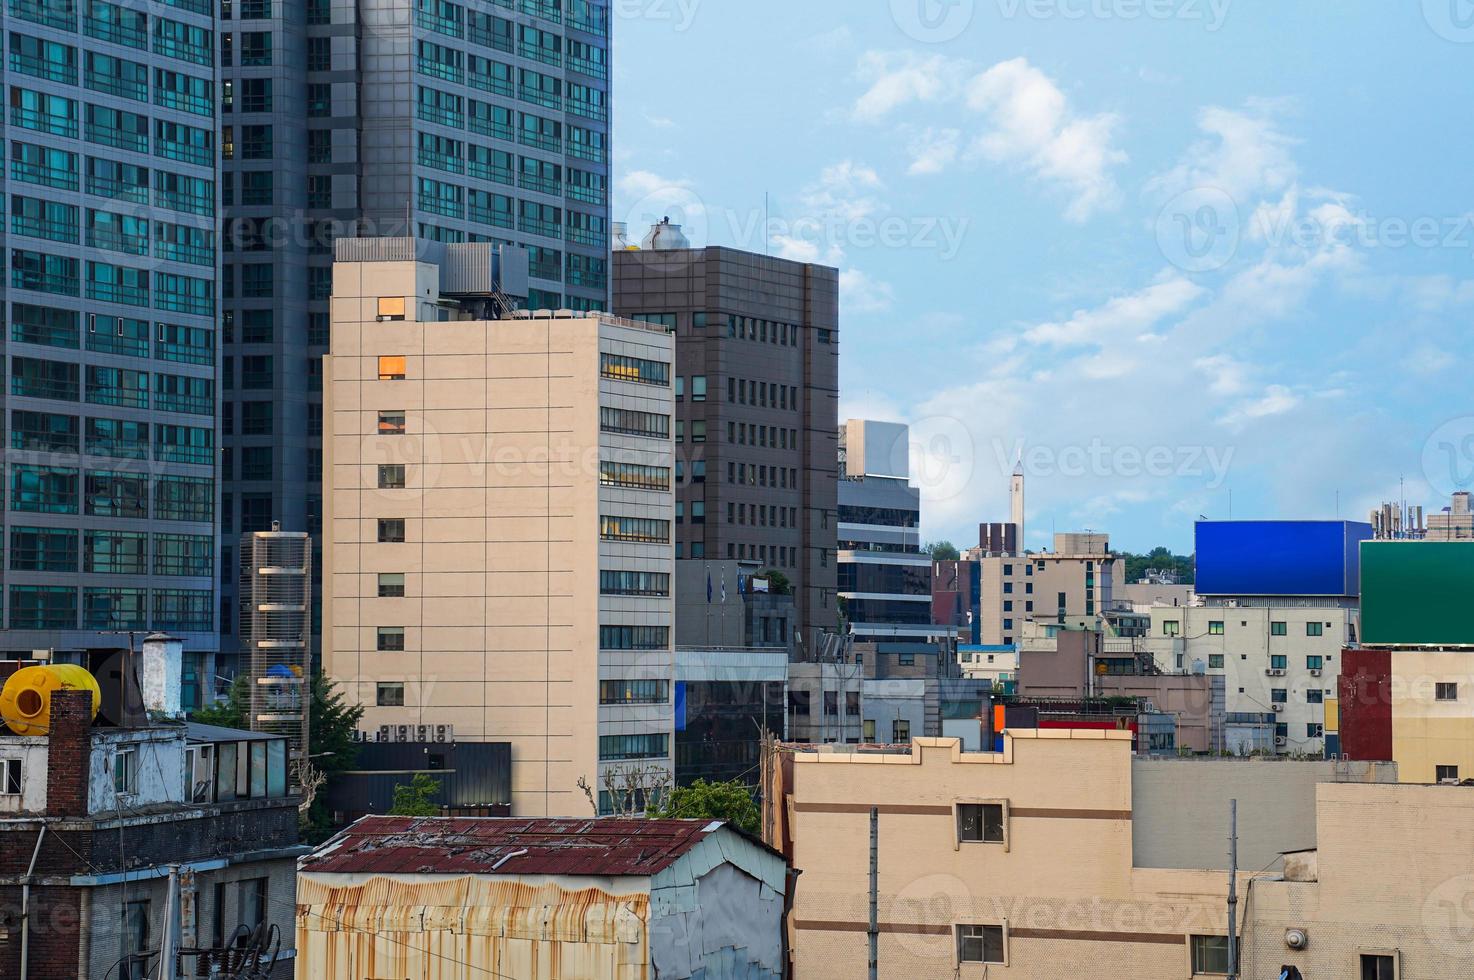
point(757, 404)
point(484, 121)
point(110, 297)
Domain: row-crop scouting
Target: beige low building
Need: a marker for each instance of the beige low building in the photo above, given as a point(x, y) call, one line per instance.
point(1026, 862)
point(497, 524)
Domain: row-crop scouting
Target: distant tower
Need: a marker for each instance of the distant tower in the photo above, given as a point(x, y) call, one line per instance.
point(1016, 501)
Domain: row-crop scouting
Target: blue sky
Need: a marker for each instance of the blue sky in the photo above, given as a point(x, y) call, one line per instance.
point(1175, 252)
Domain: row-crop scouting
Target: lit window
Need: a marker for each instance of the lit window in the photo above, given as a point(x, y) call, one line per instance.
point(391, 307)
point(391, 368)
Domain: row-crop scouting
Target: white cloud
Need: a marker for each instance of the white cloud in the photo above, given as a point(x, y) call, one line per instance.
point(897, 79)
point(659, 122)
point(1120, 318)
point(1242, 153)
point(933, 151)
point(1428, 359)
point(1276, 400)
point(860, 293)
point(1226, 374)
point(1030, 124)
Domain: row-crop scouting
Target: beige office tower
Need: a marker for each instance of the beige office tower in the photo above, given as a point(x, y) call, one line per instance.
point(497, 533)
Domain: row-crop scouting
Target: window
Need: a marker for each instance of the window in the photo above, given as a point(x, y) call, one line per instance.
point(634, 692)
point(1446, 691)
point(390, 638)
point(900, 732)
point(43, 489)
point(391, 368)
point(1278, 661)
point(125, 771)
point(1447, 773)
point(980, 944)
point(621, 368)
point(1171, 627)
point(634, 637)
point(1314, 663)
point(391, 476)
point(10, 773)
point(1315, 696)
point(389, 694)
point(134, 940)
point(1313, 629)
point(980, 822)
point(391, 585)
point(391, 529)
point(617, 747)
point(1279, 629)
point(1215, 660)
point(43, 549)
point(629, 582)
point(1378, 966)
point(645, 529)
point(635, 475)
point(1215, 628)
point(1314, 730)
point(1210, 955)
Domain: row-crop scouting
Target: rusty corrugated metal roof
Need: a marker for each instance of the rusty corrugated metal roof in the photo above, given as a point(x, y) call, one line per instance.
point(508, 846)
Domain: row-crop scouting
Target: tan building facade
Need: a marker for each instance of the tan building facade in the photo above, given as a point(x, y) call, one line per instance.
point(497, 527)
point(1075, 581)
point(1061, 857)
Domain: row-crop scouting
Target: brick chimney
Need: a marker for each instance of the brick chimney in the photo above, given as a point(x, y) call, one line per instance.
point(69, 753)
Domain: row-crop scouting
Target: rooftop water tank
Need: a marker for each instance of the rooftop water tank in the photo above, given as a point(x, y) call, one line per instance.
point(25, 700)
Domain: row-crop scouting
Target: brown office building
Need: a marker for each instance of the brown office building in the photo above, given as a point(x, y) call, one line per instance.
point(757, 392)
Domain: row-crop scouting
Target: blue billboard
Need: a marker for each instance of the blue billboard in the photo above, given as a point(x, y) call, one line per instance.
point(1271, 558)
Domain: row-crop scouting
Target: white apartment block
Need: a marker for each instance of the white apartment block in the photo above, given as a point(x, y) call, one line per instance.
point(1276, 658)
point(497, 535)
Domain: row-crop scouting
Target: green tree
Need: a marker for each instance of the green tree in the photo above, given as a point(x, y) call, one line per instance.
point(942, 551)
point(416, 798)
point(778, 583)
point(1163, 558)
point(730, 801)
point(230, 713)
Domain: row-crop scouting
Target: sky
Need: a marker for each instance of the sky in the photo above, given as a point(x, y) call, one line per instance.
point(1182, 258)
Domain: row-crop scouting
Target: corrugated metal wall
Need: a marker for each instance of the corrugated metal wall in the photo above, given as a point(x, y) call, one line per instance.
point(463, 927)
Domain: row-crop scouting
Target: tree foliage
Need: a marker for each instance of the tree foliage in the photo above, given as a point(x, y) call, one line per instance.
point(416, 798)
point(1159, 558)
point(778, 583)
point(230, 713)
point(730, 801)
point(942, 551)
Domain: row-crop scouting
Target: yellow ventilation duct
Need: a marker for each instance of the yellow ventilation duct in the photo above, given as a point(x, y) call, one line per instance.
point(25, 700)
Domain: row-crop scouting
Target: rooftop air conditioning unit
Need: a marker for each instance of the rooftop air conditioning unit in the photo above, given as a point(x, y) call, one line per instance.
point(1280, 741)
point(1277, 707)
point(444, 733)
point(422, 733)
point(382, 735)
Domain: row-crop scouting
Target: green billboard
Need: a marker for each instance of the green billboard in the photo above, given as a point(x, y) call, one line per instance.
point(1417, 593)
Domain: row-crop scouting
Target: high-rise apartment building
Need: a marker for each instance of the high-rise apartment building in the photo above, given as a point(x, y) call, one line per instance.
point(110, 300)
point(479, 121)
point(757, 389)
point(884, 578)
point(498, 523)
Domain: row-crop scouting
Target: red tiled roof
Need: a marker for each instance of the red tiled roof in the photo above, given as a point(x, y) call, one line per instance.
point(508, 846)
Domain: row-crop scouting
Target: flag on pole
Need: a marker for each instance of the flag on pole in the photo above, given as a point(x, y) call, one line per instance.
point(708, 586)
point(724, 585)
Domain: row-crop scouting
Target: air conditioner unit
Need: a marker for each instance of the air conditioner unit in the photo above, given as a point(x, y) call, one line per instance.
point(401, 733)
point(1315, 672)
point(1449, 782)
point(1274, 672)
point(422, 733)
point(1280, 741)
point(1277, 707)
point(444, 733)
point(382, 735)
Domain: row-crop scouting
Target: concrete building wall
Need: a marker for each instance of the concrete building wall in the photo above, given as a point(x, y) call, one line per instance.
point(1061, 883)
point(505, 537)
point(154, 759)
point(1241, 642)
point(1402, 888)
point(1181, 807)
point(1433, 723)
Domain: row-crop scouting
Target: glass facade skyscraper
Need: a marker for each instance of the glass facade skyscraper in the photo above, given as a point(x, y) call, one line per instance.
point(479, 121)
point(110, 340)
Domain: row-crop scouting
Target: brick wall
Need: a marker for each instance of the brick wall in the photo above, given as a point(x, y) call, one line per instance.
point(69, 754)
point(1365, 688)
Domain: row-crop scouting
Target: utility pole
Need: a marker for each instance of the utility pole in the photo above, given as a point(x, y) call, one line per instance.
point(874, 893)
point(1233, 895)
point(169, 943)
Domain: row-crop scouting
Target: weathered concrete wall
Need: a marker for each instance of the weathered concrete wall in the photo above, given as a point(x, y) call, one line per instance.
point(158, 765)
point(31, 752)
point(1180, 807)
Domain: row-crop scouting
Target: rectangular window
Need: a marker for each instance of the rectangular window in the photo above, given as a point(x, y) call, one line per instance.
point(1215, 660)
point(1171, 627)
point(186, 610)
point(634, 637)
point(628, 421)
point(1446, 773)
point(391, 530)
point(1209, 955)
point(10, 777)
point(391, 638)
point(634, 692)
point(900, 732)
point(389, 694)
point(642, 529)
point(45, 432)
point(1378, 966)
point(391, 368)
point(1278, 661)
point(618, 747)
point(391, 585)
point(980, 822)
point(43, 489)
point(1215, 628)
point(634, 475)
point(630, 582)
point(116, 552)
point(391, 476)
point(182, 498)
point(391, 423)
point(43, 549)
point(980, 944)
point(1446, 691)
point(1279, 629)
point(1314, 663)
